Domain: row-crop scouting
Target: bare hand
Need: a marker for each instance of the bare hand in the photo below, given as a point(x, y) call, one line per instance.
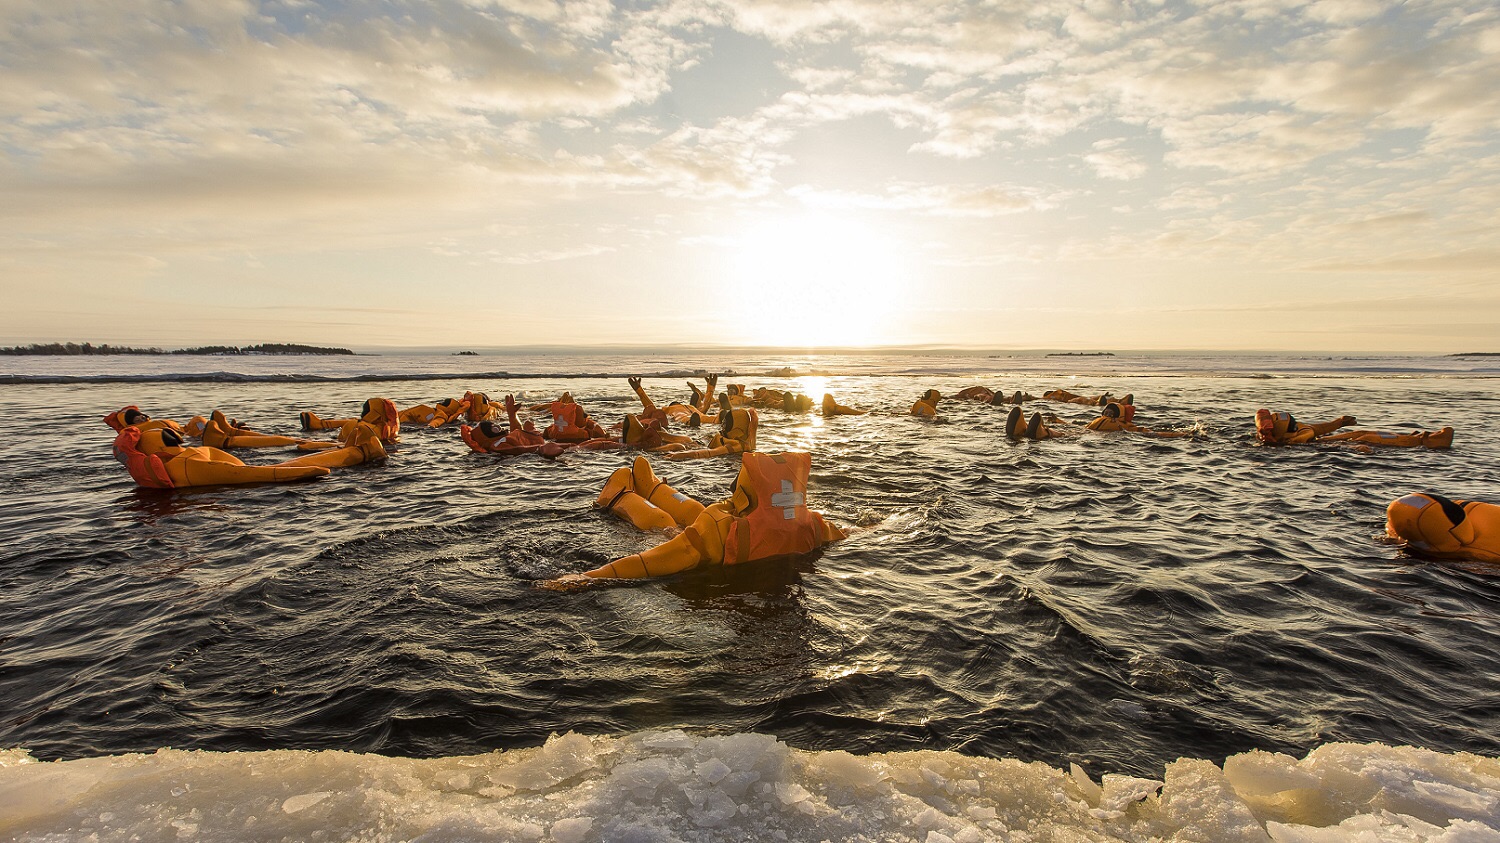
point(567, 583)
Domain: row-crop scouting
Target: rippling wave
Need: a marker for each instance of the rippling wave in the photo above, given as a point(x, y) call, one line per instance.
point(1113, 601)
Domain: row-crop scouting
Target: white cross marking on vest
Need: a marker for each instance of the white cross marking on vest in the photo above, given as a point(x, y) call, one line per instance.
point(789, 498)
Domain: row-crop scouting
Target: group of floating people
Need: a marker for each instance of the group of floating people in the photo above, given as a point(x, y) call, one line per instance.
point(766, 513)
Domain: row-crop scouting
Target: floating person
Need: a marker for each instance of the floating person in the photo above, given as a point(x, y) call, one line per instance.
point(765, 516)
point(159, 459)
point(1437, 527)
point(1087, 400)
point(982, 394)
point(831, 407)
point(490, 438)
point(927, 406)
point(765, 398)
point(985, 395)
point(132, 416)
point(570, 421)
point(650, 434)
point(479, 407)
point(738, 397)
point(1113, 418)
point(359, 442)
point(1116, 417)
point(796, 402)
point(688, 414)
point(737, 426)
point(379, 413)
point(218, 431)
point(1283, 429)
point(435, 415)
point(776, 399)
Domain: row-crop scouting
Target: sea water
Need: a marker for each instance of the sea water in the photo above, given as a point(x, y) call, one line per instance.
point(1101, 637)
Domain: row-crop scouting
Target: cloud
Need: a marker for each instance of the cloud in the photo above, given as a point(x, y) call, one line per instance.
point(1111, 162)
point(936, 200)
point(1349, 137)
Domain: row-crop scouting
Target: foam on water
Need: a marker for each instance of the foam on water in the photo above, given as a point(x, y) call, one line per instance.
point(672, 786)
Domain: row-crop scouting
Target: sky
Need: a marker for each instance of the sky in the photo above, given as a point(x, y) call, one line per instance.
point(1221, 174)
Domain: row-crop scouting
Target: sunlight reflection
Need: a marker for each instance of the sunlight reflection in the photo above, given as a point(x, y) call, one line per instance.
point(812, 386)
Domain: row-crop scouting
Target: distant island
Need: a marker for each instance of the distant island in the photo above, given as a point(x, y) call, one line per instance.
point(465, 354)
point(1082, 354)
point(1477, 354)
point(72, 349)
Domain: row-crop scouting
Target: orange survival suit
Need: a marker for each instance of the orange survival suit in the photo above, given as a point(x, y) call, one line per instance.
point(765, 516)
point(1432, 525)
point(570, 423)
point(157, 459)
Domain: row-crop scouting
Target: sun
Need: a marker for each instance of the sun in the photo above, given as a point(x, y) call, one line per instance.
point(817, 279)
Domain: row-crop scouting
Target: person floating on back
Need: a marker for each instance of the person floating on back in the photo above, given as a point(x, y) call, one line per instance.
point(765, 516)
point(1274, 428)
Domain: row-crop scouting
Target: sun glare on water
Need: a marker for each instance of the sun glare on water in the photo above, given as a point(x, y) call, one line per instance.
point(817, 280)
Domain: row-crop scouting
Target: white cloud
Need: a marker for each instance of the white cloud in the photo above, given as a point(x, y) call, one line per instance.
point(937, 200)
point(1111, 162)
point(1339, 134)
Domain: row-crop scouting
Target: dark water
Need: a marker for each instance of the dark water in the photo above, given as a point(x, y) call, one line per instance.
point(1113, 600)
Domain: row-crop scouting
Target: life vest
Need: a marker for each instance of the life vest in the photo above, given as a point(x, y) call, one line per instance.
point(1433, 525)
point(148, 470)
point(927, 405)
point(770, 504)
point(742, 424)
point(569, 422)
point(1105, 424)
point(381, 414)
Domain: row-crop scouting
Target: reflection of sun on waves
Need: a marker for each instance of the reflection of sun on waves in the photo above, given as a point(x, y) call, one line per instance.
point(819, 280)
point(813, 385)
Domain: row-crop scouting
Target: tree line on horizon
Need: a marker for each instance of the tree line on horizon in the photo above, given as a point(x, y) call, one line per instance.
point(76, 349)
